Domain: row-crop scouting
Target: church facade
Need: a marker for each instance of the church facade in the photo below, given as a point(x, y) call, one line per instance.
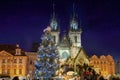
point(69, 46)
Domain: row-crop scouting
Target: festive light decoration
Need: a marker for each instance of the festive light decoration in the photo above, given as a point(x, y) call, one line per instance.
point(47, 57)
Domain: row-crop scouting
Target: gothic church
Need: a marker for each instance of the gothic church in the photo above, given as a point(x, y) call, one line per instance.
point(69, 47)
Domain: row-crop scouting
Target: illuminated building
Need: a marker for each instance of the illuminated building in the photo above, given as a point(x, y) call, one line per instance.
point(70, 44)
point(13, 61)
point(118, 67)
point(71, 51)
point(32, 56)
point(104, 65)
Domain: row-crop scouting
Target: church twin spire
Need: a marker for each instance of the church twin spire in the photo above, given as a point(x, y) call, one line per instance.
point(73, 21)
point(54, 23)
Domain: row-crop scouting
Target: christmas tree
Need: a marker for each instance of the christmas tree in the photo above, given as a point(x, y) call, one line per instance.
point(47, 57)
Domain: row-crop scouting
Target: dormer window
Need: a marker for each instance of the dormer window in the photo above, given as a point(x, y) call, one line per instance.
point(18, 50)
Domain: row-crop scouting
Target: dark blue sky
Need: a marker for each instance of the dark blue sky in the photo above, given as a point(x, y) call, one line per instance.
point(23, 22)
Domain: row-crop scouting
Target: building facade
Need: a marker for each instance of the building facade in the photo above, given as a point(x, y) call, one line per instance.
point(32, 56)
point(103, 65)
point(13, 61)
point(117, 67)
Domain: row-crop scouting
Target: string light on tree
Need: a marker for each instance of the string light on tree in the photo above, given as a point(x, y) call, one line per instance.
point(47, 57)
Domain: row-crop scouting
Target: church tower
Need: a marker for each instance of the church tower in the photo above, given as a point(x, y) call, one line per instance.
point(54, 26)
point(75, 31)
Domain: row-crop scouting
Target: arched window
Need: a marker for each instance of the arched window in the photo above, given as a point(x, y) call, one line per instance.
point(65, 55)
point(75, 37)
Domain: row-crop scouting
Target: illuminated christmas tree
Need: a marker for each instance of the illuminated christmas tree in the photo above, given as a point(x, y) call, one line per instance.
point(47, 57)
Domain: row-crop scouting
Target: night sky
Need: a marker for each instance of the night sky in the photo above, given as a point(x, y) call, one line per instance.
point(23, 22)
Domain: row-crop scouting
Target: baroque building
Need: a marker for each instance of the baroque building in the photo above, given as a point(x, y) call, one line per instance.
point(16, 62)
point(13, 61)
point(103, 65)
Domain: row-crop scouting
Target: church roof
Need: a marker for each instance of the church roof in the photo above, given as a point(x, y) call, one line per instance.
point(81, 49)
point(11, 49)
point(73, 60)
point(84, 55)
point(7, 47)
point(65, 42)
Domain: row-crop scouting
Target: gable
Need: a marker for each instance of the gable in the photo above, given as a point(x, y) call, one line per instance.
point(82, 57)
point(65, 42)
point(82, 54)
point(5, 54)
